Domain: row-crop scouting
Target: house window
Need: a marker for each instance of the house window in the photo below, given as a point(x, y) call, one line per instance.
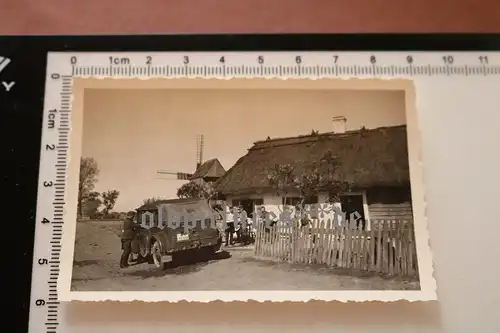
point(290, 201)
point(311, 200)
point(248, 205)
point(258, 202)
point(353, 204)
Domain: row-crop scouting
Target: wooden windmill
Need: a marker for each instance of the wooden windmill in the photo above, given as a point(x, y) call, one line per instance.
point(187, 175)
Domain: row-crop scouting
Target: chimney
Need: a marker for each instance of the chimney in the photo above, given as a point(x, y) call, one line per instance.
point(339, 124)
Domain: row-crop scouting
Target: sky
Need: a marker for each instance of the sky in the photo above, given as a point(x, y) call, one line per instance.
point(134, 133)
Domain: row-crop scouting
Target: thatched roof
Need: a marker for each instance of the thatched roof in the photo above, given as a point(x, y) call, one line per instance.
point(154, 205)
point(209, 168)
point(368, 157)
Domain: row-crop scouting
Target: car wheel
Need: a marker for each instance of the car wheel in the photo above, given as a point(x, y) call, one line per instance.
point(157, 256)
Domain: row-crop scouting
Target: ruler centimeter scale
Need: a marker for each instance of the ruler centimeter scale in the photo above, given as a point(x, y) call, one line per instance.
point(62, 67)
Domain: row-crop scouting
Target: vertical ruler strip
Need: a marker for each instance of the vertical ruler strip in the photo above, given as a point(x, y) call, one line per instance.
point(59, 186)
point(50, 211)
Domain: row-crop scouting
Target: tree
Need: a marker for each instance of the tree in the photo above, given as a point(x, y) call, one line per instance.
point(89, 171)
point(282, 178)
point(195, 190)
point(109, 200)
point(92, 204)
point(325, 173)
point(153, 200)
point(321, 176)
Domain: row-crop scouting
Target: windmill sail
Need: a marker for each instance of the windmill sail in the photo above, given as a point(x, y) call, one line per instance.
point(199, 162)
point(199, 151)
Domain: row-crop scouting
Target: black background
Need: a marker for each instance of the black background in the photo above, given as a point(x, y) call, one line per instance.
point(22, 108)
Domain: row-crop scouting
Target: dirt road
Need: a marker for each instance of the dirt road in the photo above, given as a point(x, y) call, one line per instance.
point(96, 268)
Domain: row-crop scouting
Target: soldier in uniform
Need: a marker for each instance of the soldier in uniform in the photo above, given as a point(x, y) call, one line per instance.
point(129, 231)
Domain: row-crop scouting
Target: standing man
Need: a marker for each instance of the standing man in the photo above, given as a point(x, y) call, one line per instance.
point(128, 234)
point(230, 227)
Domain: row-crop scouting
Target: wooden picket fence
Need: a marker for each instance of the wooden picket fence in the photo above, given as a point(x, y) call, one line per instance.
point(388, 248)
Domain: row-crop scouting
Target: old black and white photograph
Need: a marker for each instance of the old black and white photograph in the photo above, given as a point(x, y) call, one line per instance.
point(244, 189)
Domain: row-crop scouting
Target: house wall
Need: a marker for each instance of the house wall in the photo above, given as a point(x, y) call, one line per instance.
point(269, 199)
point(401, 211)
point(390, 204)
point(273, 199)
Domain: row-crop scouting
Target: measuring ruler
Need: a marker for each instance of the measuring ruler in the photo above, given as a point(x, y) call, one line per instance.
point(63, 67)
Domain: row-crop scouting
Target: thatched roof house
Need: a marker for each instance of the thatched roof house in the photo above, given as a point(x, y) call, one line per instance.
point(374, 161)
point(368, 157)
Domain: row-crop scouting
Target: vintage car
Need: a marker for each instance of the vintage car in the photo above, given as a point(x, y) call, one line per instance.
point(180, 228)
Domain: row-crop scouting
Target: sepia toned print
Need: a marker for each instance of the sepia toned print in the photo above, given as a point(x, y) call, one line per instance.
point(244, 190)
